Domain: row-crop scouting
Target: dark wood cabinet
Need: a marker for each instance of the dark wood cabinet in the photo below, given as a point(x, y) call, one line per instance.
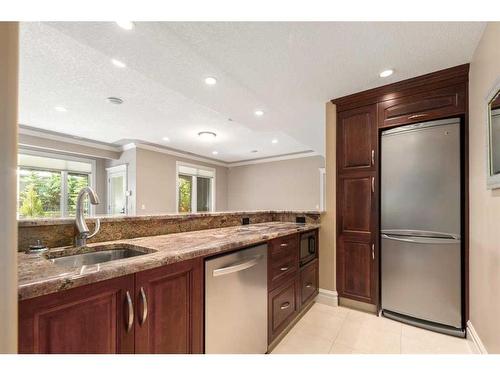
point(169, 302)
point(283, 260)
point(357, 139)
point(309, 282)
point(89, 319)
point(360, 119)
point(356, 202)
point(438, 103)
point(283, 305)
point(154, 311)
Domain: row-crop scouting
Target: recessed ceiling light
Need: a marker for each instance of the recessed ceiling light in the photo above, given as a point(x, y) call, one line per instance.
point(166, 139)
point(210, 81)
point(60, 109)
point(207, 136)
point(254, 151)
point(215, 152)
point(118, 63)
point(386, 73)
point(127, 25)
point(274, 141)
point(114, 100)
point(259, 113)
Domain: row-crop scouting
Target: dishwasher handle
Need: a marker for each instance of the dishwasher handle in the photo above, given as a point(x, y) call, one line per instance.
point(237, 267)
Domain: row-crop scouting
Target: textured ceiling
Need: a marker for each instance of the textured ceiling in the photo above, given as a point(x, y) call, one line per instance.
point(287, 69)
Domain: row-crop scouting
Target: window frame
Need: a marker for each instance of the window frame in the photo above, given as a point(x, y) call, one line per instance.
point(194, 195)
point(64, 176)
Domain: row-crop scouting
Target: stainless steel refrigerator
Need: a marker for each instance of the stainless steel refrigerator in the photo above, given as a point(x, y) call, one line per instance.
point(421, 225)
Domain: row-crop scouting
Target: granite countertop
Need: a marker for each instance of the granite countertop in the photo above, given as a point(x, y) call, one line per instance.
point(39, 276)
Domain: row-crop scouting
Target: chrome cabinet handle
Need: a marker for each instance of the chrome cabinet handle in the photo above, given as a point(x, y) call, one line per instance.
point(284, 245)
point(130, 307)
point(373, 251)
point(373, 184)
point(283, 269)
point(373, 157)
point(144, 306)
point(309, 285)
point(285, 306)
point(417, 116)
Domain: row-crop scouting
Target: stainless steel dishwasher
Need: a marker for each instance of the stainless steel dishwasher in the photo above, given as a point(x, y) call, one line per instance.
point(236, 302)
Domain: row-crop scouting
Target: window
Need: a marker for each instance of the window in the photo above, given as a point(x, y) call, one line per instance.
point(195, 188)
point(48, 185)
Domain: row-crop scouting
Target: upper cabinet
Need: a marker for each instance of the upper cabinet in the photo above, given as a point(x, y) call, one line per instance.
point(437, 103)
point(357, 139)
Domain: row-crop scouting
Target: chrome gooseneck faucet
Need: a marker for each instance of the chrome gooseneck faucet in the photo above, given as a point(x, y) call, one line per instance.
point(83, 229)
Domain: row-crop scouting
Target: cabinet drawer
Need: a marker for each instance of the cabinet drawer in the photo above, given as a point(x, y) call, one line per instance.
point(280, 269)
point(308, 282)
point(282, 306)
point(283, 246)
point(439, 103)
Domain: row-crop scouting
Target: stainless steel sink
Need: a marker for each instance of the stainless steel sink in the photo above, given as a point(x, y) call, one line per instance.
point(96, 257)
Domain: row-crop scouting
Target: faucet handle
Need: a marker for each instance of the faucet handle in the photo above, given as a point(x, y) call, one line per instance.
point(96, 229)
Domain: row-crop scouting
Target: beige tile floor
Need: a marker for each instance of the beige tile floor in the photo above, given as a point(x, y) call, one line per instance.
point(338, 330)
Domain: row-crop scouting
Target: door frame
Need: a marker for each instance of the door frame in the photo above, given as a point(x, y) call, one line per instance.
point(121, 169)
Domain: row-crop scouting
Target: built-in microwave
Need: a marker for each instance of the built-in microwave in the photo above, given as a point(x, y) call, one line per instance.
point(308, 247)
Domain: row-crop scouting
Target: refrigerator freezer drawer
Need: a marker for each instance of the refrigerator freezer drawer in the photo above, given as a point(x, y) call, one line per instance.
point(421, 278)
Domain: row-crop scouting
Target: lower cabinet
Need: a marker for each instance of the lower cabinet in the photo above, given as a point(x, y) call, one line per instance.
point(154, 311)
point(309, 282)
point(169, 301)
point(283, 305)
point(95, 318)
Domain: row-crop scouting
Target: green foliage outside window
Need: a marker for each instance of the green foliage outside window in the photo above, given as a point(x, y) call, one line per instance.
point(185, 186)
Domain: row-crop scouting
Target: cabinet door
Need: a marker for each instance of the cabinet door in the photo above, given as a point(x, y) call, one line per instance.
point(356, 232)
point(308, 282)
point(169, 302)
point(357, 139)
point(431, 105)
point(356, 270)
point(283, 305)
point(92, 319)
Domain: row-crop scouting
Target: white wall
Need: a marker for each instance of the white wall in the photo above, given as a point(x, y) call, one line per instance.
point(280, 185)
point(484, 245)
point(9, 51)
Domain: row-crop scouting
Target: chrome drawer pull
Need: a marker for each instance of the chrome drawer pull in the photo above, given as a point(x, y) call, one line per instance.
point(284, 245)
point(283, 269)
point(285, 306)
point(130, 307)
point(309, 285)
point(417, 116)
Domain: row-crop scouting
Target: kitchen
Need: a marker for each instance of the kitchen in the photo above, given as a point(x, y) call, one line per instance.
point(169, 201)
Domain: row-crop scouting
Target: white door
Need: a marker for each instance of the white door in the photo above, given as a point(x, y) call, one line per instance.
point(117, 190)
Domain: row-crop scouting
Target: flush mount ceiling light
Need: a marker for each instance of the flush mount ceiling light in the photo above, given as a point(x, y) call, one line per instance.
point(60, 109)
point(259, 113)
point(207, 136)
point(210, 81)
point(166, 139)
point(126, 25)
point(215, 152)
point(118, 63)
point(386, 73)
point(254, 151)
point(274, 141)
point(114, 100)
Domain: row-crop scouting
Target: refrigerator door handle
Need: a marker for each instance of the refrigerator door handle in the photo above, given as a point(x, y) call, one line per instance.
point(422, 240)
point(419, 233)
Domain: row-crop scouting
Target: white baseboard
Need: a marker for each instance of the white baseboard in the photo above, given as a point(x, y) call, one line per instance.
point(328, 297)
point(475, 340)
